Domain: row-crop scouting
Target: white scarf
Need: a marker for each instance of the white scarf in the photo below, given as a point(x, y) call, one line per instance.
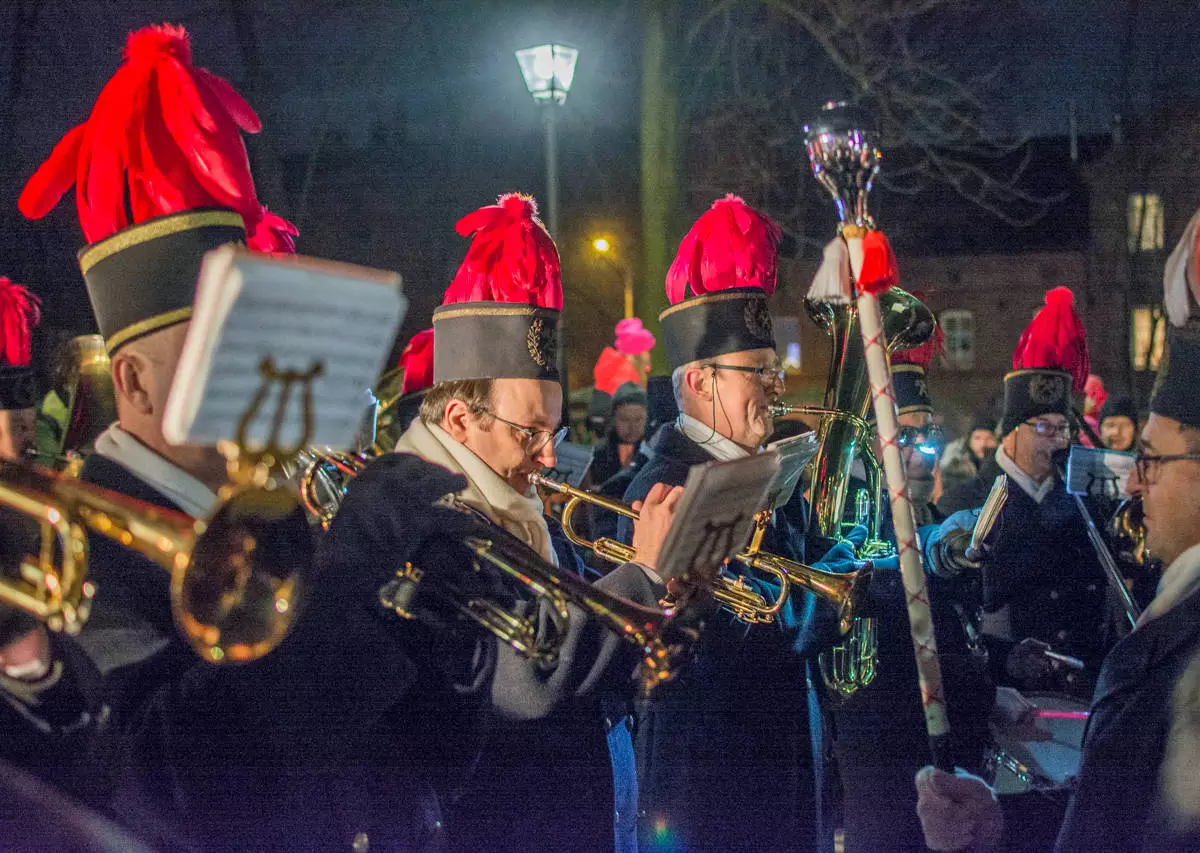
point(1029, 486)
point(1180, 580)
point(486, 492)
point(178, 486)
point(718, 446)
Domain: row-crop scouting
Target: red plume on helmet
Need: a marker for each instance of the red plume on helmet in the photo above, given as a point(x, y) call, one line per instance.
point(731, 245)
point(512, 257)
point(163, 137)
point(1055, 339)
point(20, 311)
point(924, 354)
point(417, 362)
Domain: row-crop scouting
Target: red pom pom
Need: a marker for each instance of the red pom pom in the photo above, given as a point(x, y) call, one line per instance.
point(880, 272)
point(731, 245)
point(512, 257)
point(1055, 339)
point(163, 137)
point(613, 370)
point(20, 311)
point(417, 362)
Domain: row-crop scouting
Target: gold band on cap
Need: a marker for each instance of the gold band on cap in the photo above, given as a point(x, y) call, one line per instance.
point(497, 311)
point(719, 296)
point(145, 327)
point(154, 229)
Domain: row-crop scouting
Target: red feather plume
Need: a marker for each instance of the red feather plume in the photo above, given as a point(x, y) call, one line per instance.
point(731, 245)
point(20, 311)
point(512, 257)
point(417, 362)
point(1055, 339)
point(273, 235)
point(163, 137)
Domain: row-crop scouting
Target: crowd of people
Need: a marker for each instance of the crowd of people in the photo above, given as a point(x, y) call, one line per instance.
point(422, 702)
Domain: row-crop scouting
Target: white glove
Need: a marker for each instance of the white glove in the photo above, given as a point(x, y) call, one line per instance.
point(957, 812)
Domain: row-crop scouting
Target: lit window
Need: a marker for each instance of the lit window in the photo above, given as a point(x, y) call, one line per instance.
point(787, 341)
point(1145, 222)
point(959, 328)
point(1148, 329)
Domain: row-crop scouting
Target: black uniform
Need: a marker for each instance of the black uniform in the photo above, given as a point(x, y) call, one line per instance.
point(1043, 569)
point(725, 752)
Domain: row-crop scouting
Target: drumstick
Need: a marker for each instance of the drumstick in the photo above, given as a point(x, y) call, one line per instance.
point(1066, 660)
point(1051, 714)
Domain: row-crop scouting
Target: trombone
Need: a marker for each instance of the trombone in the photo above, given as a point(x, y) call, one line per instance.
point(846, 592)
point(236, 577)
point(646, 628)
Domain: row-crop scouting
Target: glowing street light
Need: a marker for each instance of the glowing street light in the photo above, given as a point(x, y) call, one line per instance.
point(549, 70)
point(604, 248)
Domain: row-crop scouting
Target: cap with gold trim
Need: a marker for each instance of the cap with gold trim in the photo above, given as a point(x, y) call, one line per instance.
point(499, 317)
point(20, 311)
point(161, 176)
point(728, 263)
point(910, 368)
point(1050, 364)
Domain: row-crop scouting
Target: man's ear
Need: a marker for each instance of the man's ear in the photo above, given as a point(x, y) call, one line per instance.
point(699, 382)
point(130, 372)
point(456, 419)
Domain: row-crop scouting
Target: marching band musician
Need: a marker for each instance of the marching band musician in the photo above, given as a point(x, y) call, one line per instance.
point(726, 752)
point(49, 692)
point(1042, 583)
point(880, 729)
point(492, 417)
point(1116, 802)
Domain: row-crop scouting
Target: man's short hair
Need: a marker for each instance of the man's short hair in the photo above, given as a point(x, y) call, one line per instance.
point(476, 393)
point(677, 384)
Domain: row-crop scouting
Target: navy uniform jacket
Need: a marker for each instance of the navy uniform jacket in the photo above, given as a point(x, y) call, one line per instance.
point(1044, 570)
point(1113, 808)
point(725, 752)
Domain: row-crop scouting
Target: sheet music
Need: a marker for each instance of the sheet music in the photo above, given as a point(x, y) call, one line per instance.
point(1098, 472)
point(572, 462)
point(794, 455)
point(300, 313)
point(715, 514)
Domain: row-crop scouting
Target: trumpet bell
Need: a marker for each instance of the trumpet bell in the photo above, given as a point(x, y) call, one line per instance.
point(242, 588)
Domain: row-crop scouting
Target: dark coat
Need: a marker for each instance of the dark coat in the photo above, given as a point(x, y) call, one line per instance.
point(1113, 807)
point(725, 751)
point(1044, 570)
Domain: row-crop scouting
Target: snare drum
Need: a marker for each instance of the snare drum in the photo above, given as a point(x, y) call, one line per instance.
point(1019, 766)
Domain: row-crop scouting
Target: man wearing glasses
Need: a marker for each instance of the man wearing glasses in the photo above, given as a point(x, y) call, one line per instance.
point(493, 417)
point(1042, 586)
point(1116, 802)
point(726, 752)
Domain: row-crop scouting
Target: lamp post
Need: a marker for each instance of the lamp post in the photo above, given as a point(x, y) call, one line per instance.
point(549, 70)
point(604, 248)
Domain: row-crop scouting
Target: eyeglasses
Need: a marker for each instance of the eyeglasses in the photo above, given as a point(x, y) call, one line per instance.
point(1147, 463)
point(768, 376)
point(927, 439)
point(1046, 429)
point(535, 439)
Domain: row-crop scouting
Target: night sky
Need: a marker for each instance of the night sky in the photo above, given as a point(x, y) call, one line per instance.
point(439, 81)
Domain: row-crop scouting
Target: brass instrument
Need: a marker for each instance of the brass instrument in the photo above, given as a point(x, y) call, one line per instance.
point(645, 627)
point(845, 591)
point(323, 477)
point(236, 577)
point(91, 403)
point(843, 435)
point(1127, 532)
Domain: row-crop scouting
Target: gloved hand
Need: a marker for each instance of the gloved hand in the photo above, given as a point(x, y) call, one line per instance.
point(957, 812)
point(946, 551)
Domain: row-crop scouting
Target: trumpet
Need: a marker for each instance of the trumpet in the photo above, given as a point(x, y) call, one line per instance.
point(645, 627)
point(236, 577)
point(1127, 532)
point(846, 592)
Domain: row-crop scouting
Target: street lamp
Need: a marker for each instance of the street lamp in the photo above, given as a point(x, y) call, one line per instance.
point(549, 70)
point(604, 248)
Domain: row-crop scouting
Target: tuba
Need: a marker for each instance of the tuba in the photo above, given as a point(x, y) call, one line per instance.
point(236, 577)
point(847, 592)
point(844, 159)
